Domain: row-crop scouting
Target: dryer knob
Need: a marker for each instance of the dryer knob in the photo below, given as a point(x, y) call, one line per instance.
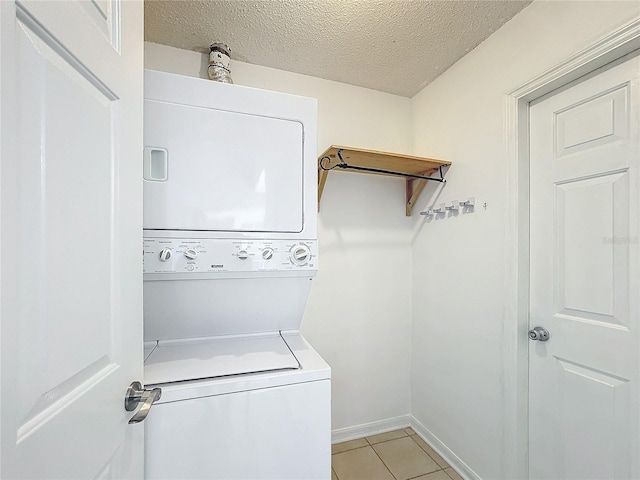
point(300, 254)
point(165, 254)
point(190, 253)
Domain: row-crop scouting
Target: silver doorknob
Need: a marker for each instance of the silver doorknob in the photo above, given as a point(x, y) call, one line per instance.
point(539, 333)
point(135, 395)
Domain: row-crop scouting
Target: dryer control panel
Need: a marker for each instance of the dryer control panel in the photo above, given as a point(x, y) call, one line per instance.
point(203, 255)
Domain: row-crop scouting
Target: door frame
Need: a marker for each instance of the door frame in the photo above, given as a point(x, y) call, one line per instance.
point(515, 438)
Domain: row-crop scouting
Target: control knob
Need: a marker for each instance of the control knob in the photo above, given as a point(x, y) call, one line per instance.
point(190, 253)
point(243, 254)
point(165, 254)
point(267, 253)
point(300, 254)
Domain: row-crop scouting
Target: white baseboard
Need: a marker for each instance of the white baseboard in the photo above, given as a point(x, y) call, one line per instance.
point(367, 429)
point(451, 458)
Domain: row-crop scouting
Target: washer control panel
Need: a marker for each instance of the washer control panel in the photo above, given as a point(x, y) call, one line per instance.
point(179, 255)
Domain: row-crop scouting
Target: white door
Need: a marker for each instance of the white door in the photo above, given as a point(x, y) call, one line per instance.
point(585, 278)
point(71, 237)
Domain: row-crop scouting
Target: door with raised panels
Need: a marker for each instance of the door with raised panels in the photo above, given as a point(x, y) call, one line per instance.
point(71, 223)
point(585, 278)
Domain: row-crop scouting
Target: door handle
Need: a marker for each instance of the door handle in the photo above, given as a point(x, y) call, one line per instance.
point(136, 395)
point(539, 333)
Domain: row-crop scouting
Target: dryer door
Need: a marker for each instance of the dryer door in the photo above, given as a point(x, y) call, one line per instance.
point(217, 170)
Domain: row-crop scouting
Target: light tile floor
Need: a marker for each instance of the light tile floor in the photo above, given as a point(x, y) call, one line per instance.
point(397, 455)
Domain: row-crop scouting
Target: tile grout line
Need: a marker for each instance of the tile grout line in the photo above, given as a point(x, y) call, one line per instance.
point(441, 468)
point(450, 475)
point(351, 449)
point(430, 473)
point(385, 465)
point(385, 441)
point(369, 444)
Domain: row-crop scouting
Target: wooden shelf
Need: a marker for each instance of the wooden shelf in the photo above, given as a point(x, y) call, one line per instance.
point(400, 165)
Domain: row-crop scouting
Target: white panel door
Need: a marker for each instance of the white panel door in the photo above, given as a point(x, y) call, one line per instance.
point(585, 278)
point(71, 211)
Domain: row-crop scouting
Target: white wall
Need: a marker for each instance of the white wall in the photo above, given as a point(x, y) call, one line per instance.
point(359, 312)
point(459, 266)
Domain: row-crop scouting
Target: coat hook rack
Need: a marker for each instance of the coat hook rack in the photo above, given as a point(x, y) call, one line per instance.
point(469, 202)
point(442, 208)
point(453, 206)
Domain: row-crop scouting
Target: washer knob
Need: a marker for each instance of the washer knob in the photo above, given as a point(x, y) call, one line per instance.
point(267, 253)
point(243, 255)
point(165, 254)
point(300, 254)
point(190, 253)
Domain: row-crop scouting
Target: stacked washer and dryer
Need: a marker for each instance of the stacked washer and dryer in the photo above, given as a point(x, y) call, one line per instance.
point(230, 249)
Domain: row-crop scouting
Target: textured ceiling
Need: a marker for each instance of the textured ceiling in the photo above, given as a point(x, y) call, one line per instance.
point(395, 46)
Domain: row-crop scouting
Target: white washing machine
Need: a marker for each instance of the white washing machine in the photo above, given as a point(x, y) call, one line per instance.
point(230, 249)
